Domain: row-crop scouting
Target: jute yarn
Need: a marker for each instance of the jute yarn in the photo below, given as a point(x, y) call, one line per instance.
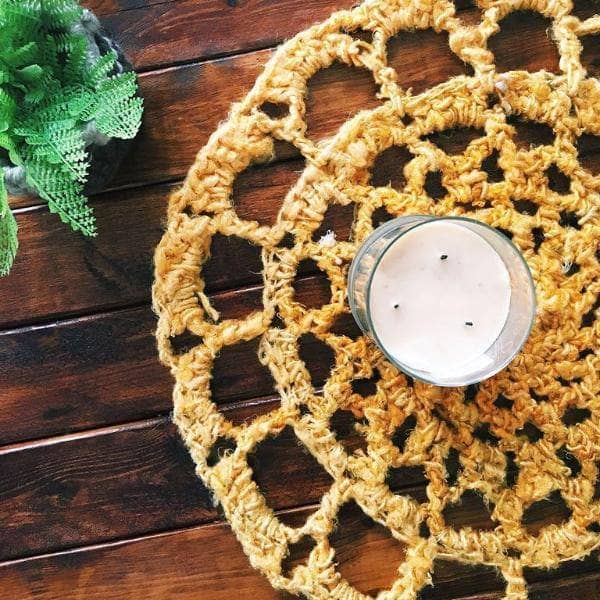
point(551, 388)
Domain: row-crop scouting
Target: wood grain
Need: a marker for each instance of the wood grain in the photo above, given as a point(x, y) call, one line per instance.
point(167, 146)
point(175, 129)
point(175, 32)
point(104, 370)
point(135, 479)
point(207, 562)
point(129, 480)
point(115, 269)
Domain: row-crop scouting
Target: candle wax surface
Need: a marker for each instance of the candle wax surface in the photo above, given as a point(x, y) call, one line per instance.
point(422, 305)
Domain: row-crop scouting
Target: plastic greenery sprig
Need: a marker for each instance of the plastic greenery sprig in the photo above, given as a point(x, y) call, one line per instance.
point(52, 91)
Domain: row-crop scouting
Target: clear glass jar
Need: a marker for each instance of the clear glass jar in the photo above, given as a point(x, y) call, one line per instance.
point(521, 312)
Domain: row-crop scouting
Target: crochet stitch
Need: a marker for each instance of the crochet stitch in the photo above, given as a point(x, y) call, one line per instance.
point(556, 374)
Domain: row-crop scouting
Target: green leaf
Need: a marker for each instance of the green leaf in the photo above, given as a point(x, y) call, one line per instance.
point(64, 197)
point(9, 242)
point(50, 91)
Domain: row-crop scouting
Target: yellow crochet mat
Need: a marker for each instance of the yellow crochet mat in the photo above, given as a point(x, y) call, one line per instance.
point(540, 417)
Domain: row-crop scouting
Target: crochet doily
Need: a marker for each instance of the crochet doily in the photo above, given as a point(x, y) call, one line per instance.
point(529, 433)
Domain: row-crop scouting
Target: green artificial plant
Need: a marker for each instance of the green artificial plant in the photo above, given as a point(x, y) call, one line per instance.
point(52, 87)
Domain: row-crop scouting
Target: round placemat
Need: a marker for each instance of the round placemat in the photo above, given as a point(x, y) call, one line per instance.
point(529, 434)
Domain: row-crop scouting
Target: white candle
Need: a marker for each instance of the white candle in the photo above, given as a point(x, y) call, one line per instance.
point(439, 298)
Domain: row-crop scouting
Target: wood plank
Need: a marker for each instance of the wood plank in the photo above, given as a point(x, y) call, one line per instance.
point(103, 370)
point(58, 272)
point(185, 104)
point(175, 32)
point(214, 564)
point(107, 7)
point(130, 480)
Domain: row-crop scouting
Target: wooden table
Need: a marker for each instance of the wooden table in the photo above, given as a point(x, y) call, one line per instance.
point(98, 498)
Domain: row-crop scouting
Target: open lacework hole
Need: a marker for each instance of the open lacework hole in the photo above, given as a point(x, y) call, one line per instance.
point(570, 269)
point(238, 304)
point(569, 219)
point(491, 167)
point(402, 432)
point(222, 447)
point(283, 468)
point(511, 469)
point(275, 110)
point(365, 387)
point(503, 402)
point(227, 250)
point(549, 511)
point(537, 398)
point(577, 569)
point(298, 554)
point(452, 466)
point(236, 370)
point(529, 134)
point(245, 413)
point(287, 241)
point(470, 511)
point(483, 434)
point(471, 393)
point(380, 216)
point(338, 219)
point(468, 12)
point(531, 432)
point(184, 342)
point(335, 94)
point(523, 43)
point(455, 141)
point(312, 292)
point(388, 167)
point(433, 185)
point(345, 324)
point(459, 580)
point(342, 424)
point(568, 382)
point(358, 542)
point(596, 495)
point(436, 63)
point(284, 150)
point(574, 415)
point(587, 320)
point(399, 478)
point(258, 191)
point(318, 357)
point(584, 9)
point(557, 181)
point(525, 207)
point(538, 236)
point(363, 35)
point(505, 232)
point(590, 54)
point(569, 460)
point(588, 150)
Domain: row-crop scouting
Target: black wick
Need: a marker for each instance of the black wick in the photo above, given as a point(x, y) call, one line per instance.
point(469, 323)
point(443, 257)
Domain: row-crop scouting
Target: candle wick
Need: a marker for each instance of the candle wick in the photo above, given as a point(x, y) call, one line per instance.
point(469, 323)
point(443, 257)
point(396, 306)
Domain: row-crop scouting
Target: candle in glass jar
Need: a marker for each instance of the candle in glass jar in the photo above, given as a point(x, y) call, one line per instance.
point(439, 297)
point(448, 300)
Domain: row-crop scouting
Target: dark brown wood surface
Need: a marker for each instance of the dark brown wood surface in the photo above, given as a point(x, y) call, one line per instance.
point(98, 498)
